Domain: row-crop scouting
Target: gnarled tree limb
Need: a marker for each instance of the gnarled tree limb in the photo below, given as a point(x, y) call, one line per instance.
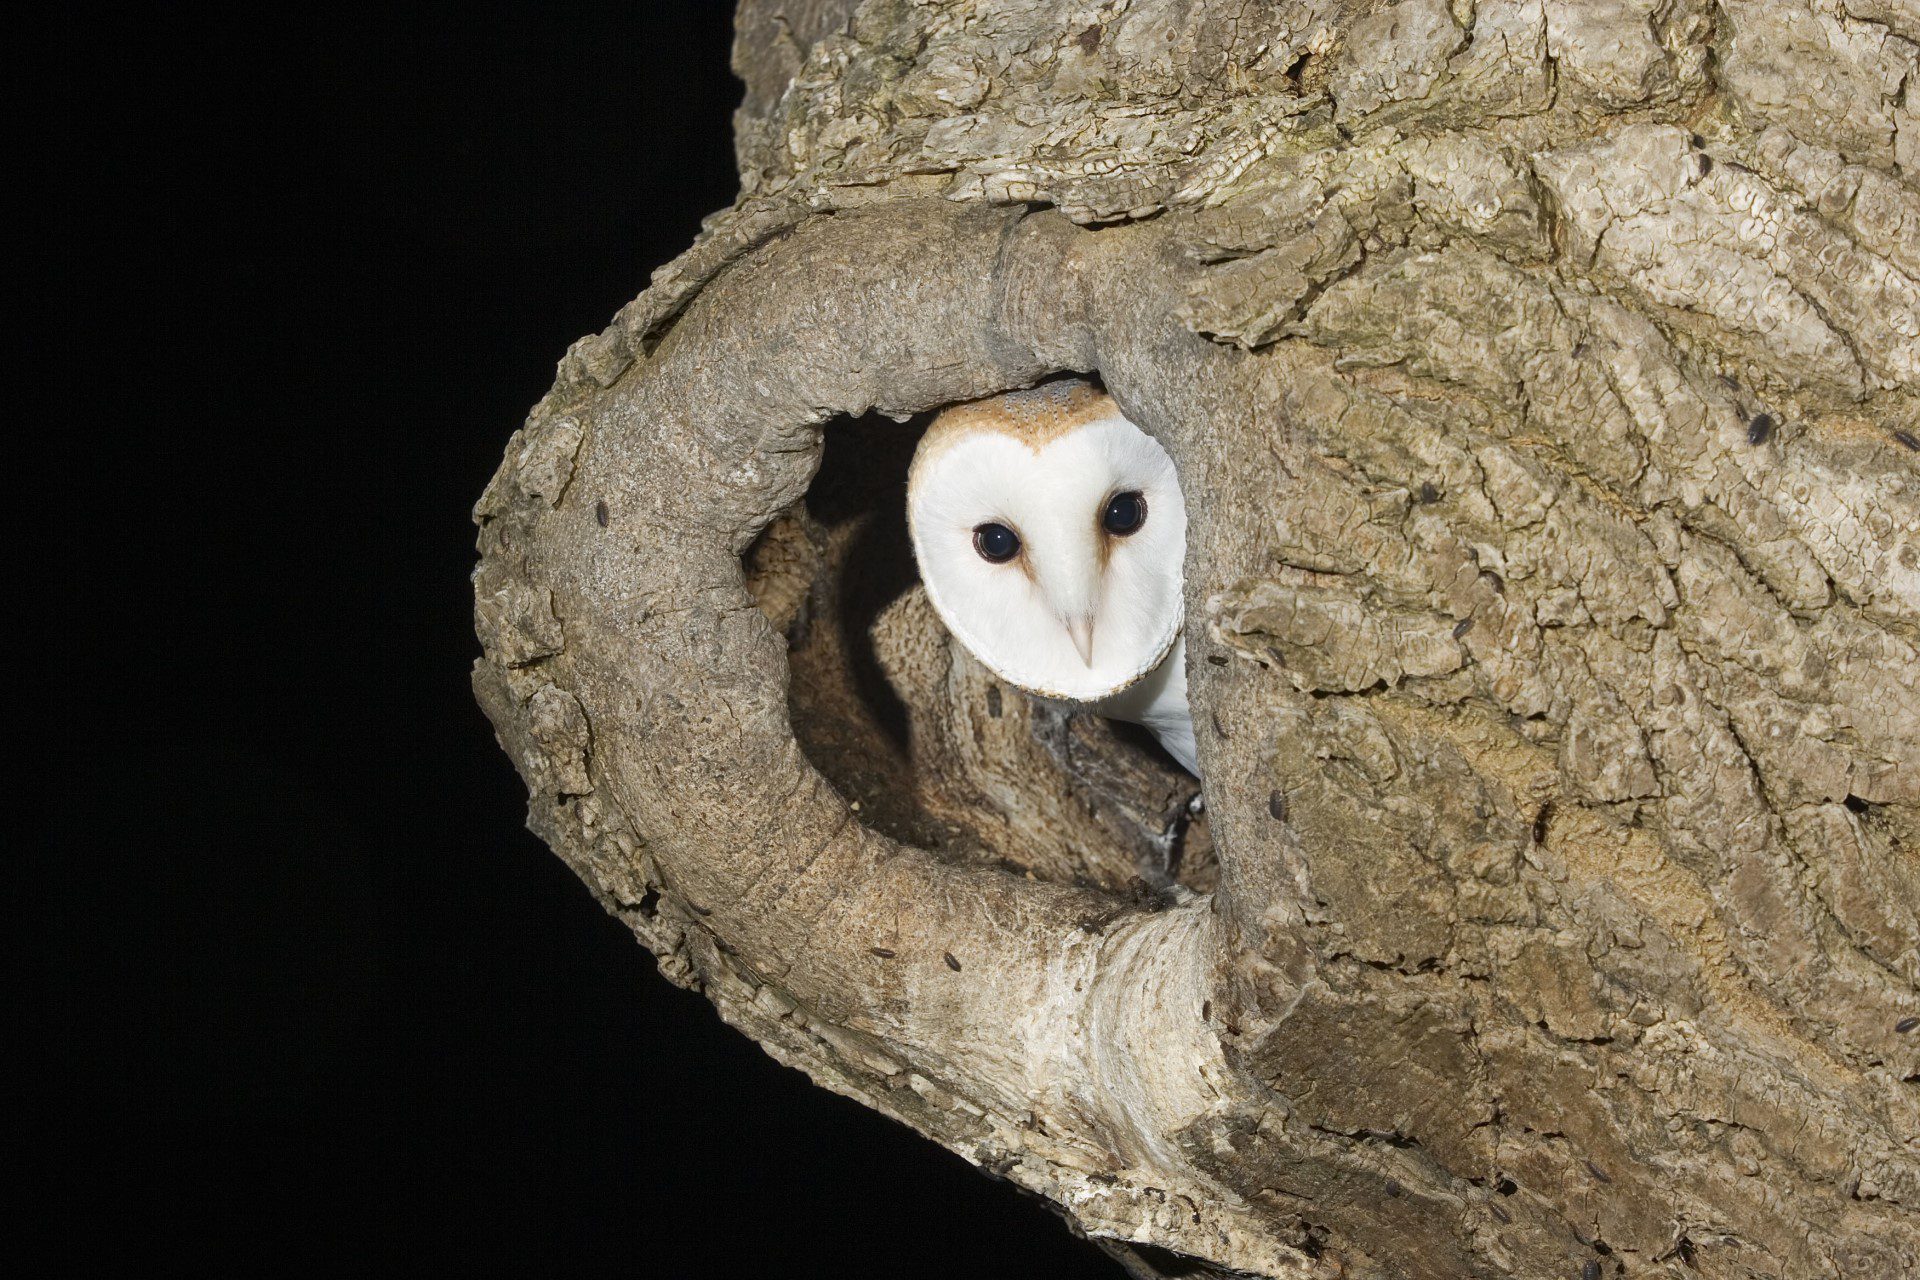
point(1542, 380)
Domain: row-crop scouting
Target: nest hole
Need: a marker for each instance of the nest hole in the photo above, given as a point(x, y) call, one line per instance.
point(928, 744)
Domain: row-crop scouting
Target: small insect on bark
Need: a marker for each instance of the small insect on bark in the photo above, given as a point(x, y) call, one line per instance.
point(1906, 1024)
point(1760, 428)
point(1594, 1169)
point(882, 952)
point(1590, 1270)
point(1461, 627)
point(951, 962)
point(1277, 806)
point(1907, 438)
point(600, 513)
point(1540, 821)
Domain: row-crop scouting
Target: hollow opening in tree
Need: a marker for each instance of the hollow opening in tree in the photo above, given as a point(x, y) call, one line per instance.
point(931, 746)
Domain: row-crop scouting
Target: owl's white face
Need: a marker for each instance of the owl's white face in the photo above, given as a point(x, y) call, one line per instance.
point(1053, 555)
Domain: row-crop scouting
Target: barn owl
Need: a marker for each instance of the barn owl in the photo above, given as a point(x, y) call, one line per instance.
point(1050, 533)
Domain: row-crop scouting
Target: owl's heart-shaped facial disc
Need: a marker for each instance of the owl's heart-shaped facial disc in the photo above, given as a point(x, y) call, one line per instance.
point(1050, 533)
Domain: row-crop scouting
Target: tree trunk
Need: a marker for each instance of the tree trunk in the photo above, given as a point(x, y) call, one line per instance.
point(1542, 378)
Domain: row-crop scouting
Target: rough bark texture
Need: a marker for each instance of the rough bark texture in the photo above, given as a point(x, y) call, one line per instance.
point(1543, 380)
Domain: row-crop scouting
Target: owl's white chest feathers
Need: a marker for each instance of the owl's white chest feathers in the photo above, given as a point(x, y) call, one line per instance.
point(1159, 702)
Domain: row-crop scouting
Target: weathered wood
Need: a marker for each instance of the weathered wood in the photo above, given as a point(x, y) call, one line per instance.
point(1543, 380)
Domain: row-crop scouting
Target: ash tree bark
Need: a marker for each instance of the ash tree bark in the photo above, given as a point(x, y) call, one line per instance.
point(1543, 379)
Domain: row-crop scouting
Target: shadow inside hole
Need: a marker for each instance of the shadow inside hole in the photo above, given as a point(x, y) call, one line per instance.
point(862, 488)
point(823, 573)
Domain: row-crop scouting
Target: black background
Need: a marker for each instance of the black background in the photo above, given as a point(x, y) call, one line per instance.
point(316, 996)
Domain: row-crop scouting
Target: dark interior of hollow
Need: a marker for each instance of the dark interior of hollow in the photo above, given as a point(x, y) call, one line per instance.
point(825, 573)
point(862, 487)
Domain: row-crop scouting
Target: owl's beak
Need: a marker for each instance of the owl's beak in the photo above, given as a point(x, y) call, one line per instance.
point(1067, 570)
point(1081, 629)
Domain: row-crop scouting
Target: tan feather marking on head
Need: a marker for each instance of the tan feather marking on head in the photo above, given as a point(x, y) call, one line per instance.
point(1035, 417)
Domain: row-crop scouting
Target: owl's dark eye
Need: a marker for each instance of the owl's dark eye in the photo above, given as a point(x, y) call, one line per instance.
point(1125, 513)
point(996, 543)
